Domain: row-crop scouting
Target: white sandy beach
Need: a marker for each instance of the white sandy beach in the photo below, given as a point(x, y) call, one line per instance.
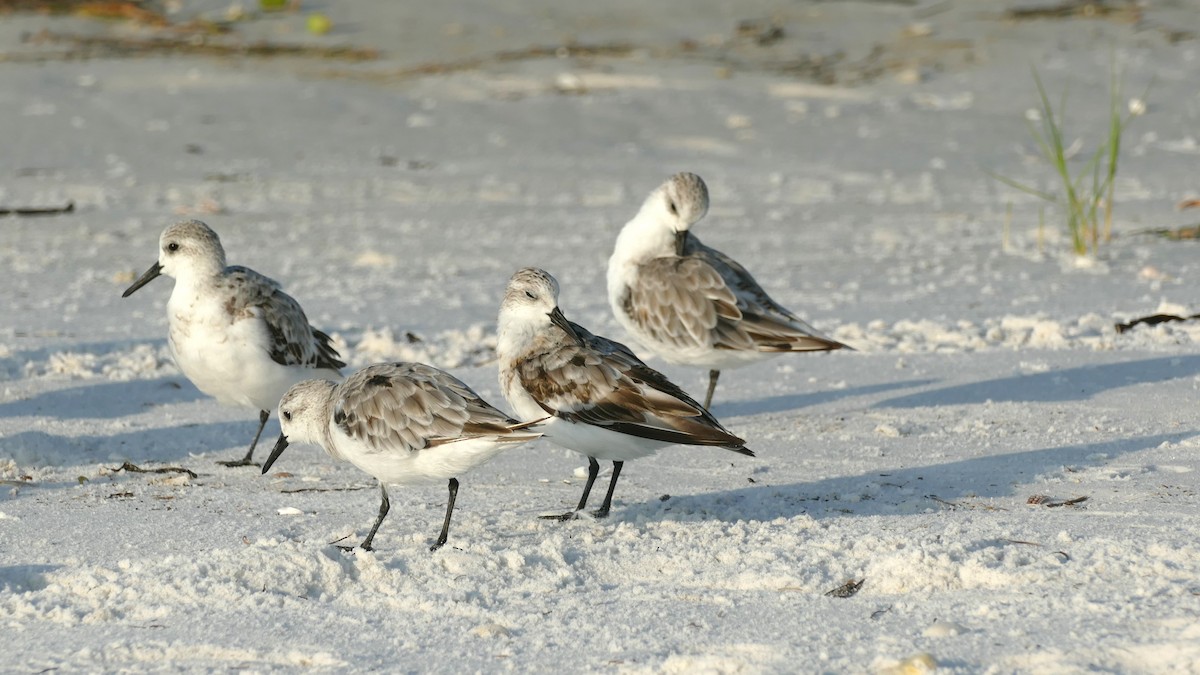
point(847, 159)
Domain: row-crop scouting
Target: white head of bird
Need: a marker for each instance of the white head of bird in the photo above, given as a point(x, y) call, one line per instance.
point(530, 305)
point(662, 224)
point(303, 411)
point(304, 417)
point(187, 250)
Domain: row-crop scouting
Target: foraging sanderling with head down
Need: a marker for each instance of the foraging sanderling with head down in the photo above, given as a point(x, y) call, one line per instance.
point(691, 304)
point(233, 332)
point(602, 401)
point(404, 423)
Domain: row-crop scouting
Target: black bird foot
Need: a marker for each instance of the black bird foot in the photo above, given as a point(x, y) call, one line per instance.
point(352, 549)
point(239, 462)
point(600, 513)
point(562, 518)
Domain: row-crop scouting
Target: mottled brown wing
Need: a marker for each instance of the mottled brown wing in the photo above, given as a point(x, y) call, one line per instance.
point(393, 407)
point(764, 324)
point(592, 380)
point(684, 303)
point(293, 341)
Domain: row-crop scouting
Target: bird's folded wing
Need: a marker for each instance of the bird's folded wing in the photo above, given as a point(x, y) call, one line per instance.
point(408, 406)
point(600, 382)
point(680, 302)
point(763, 324)
point(293, 341)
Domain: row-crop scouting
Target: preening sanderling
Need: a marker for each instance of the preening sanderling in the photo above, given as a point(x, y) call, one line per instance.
point(691, 304)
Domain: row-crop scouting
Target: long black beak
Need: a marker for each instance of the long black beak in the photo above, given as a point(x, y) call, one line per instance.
point(557, 318)
point(280, 446)
point(680, 242)
point(146, 278)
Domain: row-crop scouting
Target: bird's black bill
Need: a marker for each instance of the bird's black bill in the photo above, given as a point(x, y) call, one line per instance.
point(150, 275)
point(558, 319)
point(680, 242)
point(280, 446)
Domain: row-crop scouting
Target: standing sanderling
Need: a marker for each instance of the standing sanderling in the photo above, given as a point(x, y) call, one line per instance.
point(691, 304)
point(602, 401)
point(233, 332)
point(404, 423)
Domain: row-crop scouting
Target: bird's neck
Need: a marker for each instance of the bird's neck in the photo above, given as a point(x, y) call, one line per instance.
point(192, 283)
point(644, 238)
point(514, 337)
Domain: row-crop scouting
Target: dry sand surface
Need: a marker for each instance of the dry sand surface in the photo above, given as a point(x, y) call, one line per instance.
point(996, 480)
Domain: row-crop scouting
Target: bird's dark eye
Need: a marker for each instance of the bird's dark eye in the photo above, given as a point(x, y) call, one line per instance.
point(287, 415)
point(173, 247)
point(530, 295)
point(671, 207)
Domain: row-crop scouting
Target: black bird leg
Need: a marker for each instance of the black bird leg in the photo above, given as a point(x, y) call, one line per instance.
point(712, 386)
point(263, 415)
point(602, 512)
point(383, 511)
point(593, 471)
point(441, 540)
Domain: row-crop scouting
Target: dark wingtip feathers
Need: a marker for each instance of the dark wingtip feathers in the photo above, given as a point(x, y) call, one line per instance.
point(743, 450)
point(327, 356)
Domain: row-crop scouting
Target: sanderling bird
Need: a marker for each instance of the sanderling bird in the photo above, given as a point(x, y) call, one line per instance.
point(601, 400)
point(691, 304)
point(233, 332)
point(404, 423)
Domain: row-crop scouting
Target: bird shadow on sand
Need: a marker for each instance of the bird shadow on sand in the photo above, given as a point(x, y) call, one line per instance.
point(19, 579)
point(217, 441)
point(896, 491)
point(793, 401)
point(1069, 384)
point(103, 399)
point(17, 363)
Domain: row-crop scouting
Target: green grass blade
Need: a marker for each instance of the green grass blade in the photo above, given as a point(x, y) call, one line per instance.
point(1021, 186)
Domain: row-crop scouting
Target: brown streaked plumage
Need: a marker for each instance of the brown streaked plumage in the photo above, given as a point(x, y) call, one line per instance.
point(602, 400)
point(582, 377)
point(406, 407)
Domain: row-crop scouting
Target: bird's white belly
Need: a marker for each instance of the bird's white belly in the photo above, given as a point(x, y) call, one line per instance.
point(711, 358)
point(232, 362)
point(594, 441)
point(419, 467)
